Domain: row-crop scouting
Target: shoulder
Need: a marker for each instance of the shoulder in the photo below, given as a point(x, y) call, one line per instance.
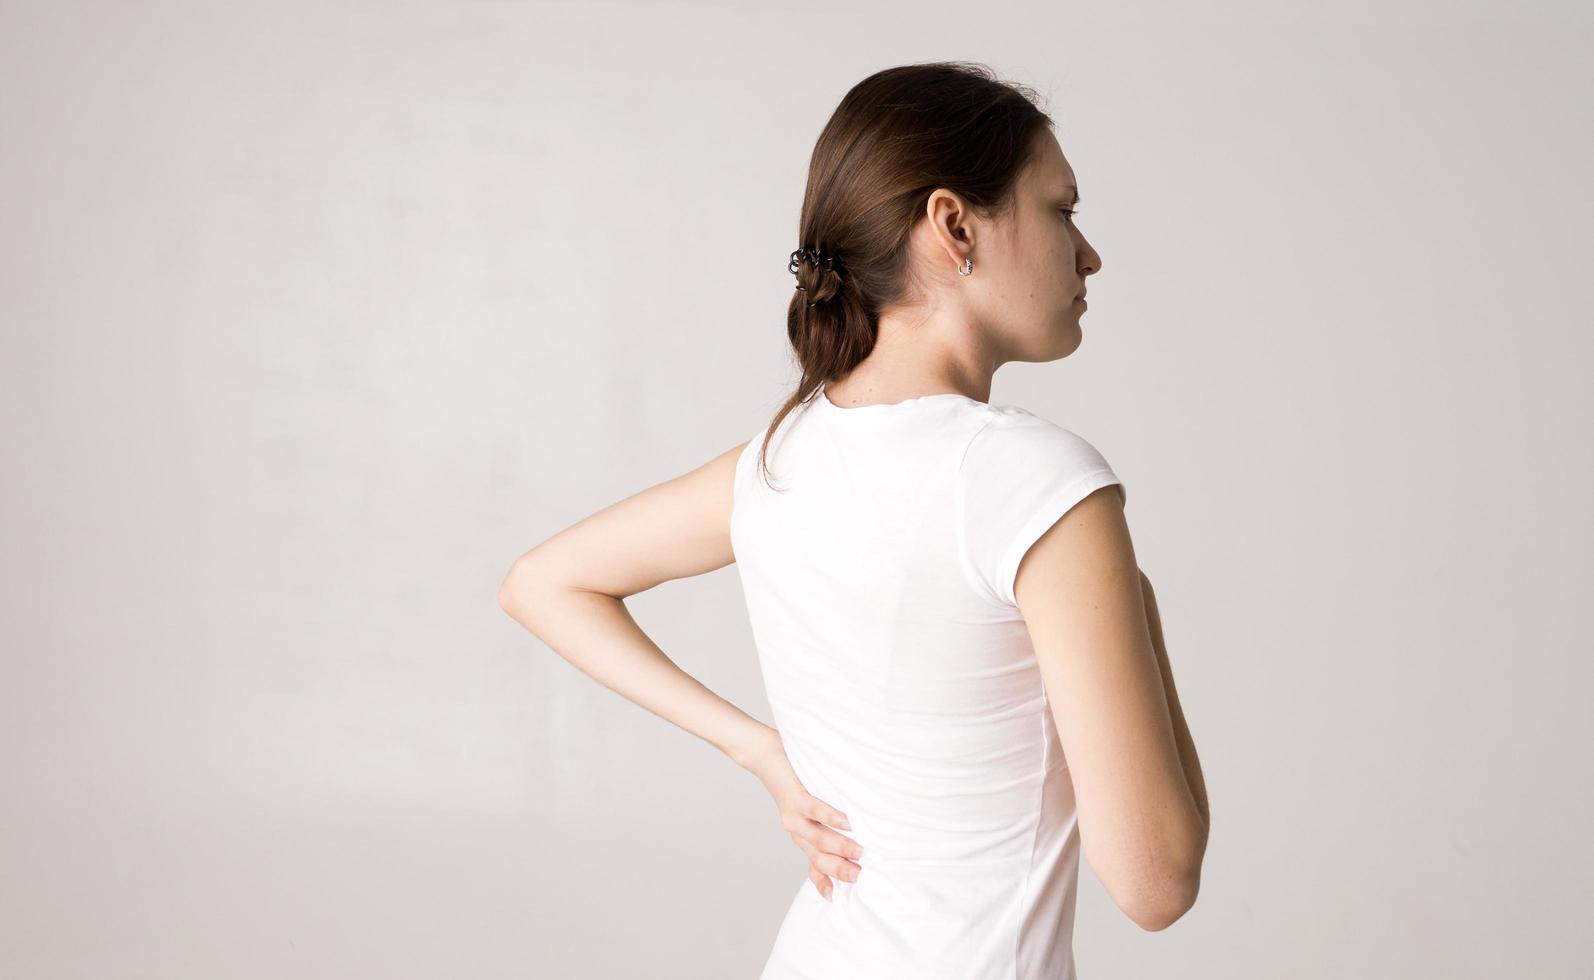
point(1019, 474)
point(1010, 437)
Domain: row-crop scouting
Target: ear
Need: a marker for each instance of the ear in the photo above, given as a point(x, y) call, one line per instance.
point(950, 220)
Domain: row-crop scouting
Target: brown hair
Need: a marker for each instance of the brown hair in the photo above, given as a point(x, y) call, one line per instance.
point(897, 136)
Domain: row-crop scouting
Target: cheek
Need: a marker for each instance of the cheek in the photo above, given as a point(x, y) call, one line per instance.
point(1068, 249)
point(1057, 248)
point(1064, 263)
point(1045, 265)
point(1050, 253)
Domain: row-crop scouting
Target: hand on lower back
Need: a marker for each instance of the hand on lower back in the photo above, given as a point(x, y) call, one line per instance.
point(808, 820)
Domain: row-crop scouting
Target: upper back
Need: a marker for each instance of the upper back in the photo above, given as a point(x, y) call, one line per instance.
point(891, 537)
point(942, 492)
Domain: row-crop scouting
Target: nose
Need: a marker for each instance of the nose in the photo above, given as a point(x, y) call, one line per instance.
point(1090, 261)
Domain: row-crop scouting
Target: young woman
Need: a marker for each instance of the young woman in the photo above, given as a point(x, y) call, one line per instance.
point(963, 659)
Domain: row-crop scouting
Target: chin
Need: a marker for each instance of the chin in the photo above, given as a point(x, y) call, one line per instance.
point(1066, 340)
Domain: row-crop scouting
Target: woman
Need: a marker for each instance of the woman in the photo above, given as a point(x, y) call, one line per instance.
point(964, 662)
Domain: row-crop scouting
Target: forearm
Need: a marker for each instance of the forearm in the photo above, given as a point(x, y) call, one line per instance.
point(1181, 730)
point(597, 635)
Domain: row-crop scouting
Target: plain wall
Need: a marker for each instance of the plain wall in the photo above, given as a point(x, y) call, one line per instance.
point(316, 315)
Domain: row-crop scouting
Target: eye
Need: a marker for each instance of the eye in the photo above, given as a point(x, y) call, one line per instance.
point(1069, 212)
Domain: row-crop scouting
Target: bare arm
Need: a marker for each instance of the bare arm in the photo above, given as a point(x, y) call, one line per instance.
point(570, 591)
point(1181, 730)
point(1141, 827)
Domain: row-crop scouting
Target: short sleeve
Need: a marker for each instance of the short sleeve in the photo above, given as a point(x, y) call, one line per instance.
point(1018, 475)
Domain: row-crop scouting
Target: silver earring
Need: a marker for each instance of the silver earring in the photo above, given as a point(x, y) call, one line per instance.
point(968, 266)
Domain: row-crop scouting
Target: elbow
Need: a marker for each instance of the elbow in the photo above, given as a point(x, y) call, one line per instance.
point(517, 584)
point(1156, 908)
point(506, 596)
point(1160, 892)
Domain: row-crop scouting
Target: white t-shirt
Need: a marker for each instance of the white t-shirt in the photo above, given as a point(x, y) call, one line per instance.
point(879, 586)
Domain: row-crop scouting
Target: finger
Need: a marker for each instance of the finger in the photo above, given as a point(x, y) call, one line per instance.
point(838, 868)
point(825, 813)
point(821, 882)
point(816, 837)
point(830, 864)
point(826, 839)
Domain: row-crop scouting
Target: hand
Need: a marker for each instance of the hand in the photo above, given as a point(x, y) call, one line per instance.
point(805, 816)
